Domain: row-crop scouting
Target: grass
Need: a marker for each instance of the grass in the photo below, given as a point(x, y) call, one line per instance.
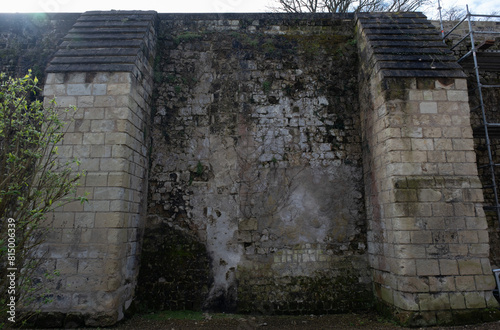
point(186, 315)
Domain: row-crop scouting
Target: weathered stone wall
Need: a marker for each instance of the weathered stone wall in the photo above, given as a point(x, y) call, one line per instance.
point(28, 41)
point(491, 98)
point(95, 246)
point(428, 239)
point(279, 182)
point(257, 156)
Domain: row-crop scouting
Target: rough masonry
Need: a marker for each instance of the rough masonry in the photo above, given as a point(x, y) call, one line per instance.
point(266, 163)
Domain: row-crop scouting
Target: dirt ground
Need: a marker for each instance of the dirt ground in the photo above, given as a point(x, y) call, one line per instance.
point(246, 322)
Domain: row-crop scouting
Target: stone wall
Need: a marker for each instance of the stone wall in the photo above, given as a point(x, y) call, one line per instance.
point(95, 246)
point(428, 238)
point(295, 164)
point(257, 156)
point(491, 97)
point(29, 41)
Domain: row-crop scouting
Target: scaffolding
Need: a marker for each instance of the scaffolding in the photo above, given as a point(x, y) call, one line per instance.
point(480, 57)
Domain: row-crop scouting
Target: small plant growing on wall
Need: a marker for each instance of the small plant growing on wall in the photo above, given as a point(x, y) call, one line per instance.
point(33, 182)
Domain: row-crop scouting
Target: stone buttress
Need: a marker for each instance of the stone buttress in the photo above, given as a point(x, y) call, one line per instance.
point(104, 68)
point(427, 233)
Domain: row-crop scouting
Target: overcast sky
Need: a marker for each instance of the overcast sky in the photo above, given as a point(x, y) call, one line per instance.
point(193, 6)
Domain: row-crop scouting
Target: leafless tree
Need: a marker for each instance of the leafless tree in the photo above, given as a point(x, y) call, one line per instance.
point(344, 6)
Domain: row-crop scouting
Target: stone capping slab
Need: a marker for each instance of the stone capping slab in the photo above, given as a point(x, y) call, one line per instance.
point(406, 45)
point(105, 41)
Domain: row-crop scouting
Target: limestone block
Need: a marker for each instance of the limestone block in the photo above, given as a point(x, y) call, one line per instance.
point(79, 89)
point(429, 195)
point(110, 220)
point(103, 101)
point(475, 300)
point(413, 284)
point(428, 107)
point(427, 267)
point(406, 301)
point(93, 138)
point(485, 282)
point(422, 144)
point(66, 101)
point(421, 237)
point(442, 283)
point(54, 90)
point(457, 95)
point(470, 267)
point(105, 125)
point(434, 301)
point(54, 78)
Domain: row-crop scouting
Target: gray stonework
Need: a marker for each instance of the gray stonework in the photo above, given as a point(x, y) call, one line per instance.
point(427, 229)
point(95, 246)
point(257, 155)
point(266, 163)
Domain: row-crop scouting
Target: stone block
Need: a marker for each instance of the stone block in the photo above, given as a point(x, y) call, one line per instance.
point(428, 107)
point(479, 250)
point(109, 220)
point(79, 89)
point(113, 164)
point(96, 206)
point(76, 77)
point(411, 251)
point(84, 220)
point(117, 235)
point(453, 132)
point(485, 282)
point(54, 78)
point(54, 90)
point(90, 266)
point(434, 301)
point(463, 144)
point(457, 95)
point(117, 138)
point(406, 301)
point(103, 101)
point(455, 156)
point(93, 138)
point(94, 113)
point(443, 144)
point(461, 84)
point(99, 89)
point(104, 125)
point(404, 224)
point(100, 151)
point(431, 132)
point(413, 156)
point(429, 195)
point(427, 267)
point(248, 224)
point(422, 144)
point(96, 179)
point(421, 237)
point(66, 101)
point(474, 300)
point(413, 284)
point(117, 193)
point(118, 89)
point(75, 206)
point(470, 267)
point(457, 300)
point(442, 283)
point(442, 209)
point(468, 236)
point(120, 77)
